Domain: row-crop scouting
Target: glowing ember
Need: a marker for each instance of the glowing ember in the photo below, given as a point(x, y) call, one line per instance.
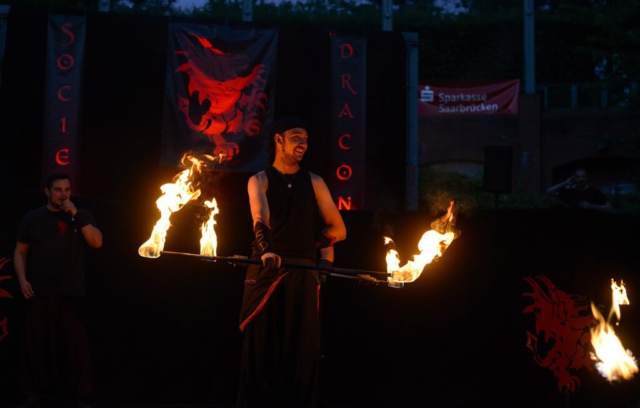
point(209, 240)
point(613, 361)
point(175, 196)
point(432, 245)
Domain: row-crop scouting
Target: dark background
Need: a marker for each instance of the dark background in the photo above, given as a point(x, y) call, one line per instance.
point(164, 331)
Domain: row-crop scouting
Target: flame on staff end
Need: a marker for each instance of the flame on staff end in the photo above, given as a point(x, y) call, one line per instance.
point(174, 196)
point(612, 360)
point(209, 240)
point(432, 245)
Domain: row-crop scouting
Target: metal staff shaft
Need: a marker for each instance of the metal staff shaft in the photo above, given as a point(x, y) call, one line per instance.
point(243, 260)
point(360, 275)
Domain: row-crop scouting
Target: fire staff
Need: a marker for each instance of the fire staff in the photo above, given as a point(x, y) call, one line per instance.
point(279, 316)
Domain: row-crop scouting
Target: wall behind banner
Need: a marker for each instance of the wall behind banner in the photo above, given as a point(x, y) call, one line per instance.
point(123, 100)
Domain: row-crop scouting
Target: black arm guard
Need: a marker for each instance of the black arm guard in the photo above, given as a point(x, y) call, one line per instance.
point(263, 237)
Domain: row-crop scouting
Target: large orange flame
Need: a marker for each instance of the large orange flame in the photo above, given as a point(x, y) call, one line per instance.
point(432, 245)
point(174, 196)
point(613, 361)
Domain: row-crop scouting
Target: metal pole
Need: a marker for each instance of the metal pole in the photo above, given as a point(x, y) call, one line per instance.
point(411, 175)
point(387, 15)
point(247, 11)
point(244, 260)
point(529, 48)
point(104, 6)
point(4, 10)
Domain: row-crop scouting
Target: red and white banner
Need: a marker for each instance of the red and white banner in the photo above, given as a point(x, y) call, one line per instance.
point(63, 90)
point(498, 98)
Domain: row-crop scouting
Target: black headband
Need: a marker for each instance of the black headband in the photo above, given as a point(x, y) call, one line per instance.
point(285, 124)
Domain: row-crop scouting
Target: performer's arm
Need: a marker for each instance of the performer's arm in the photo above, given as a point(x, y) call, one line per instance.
point(335, 230)
point(553, 190)
point(91, 234)
point(20, 266)
point(257, 189)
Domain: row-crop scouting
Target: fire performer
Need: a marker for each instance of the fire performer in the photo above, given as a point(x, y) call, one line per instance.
point(279, 316)
point(55, 366)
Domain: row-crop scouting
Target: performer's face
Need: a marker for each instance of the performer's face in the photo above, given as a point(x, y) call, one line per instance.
point(59, 191)
point(580, 178)
point(293, 144)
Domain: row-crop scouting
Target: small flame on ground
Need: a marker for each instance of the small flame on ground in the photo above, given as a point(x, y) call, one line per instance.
point(613, 361)
point(209, 240)
point(432, 245)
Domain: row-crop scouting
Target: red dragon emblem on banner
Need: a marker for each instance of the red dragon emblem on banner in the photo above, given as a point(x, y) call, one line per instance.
point(219, 93)
point(228, 101)
point(561, 341)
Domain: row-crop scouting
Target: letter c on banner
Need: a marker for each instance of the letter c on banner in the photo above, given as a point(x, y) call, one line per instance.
point(62, 97)
point(341, 144)
point(344, 172)
point(62, 157)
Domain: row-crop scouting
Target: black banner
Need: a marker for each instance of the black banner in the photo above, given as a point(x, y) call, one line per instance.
point(219, 94)
point(63, 89)
point(348, 108)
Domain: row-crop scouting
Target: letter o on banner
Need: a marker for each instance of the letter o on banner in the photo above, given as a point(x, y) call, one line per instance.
point(65, 61)
point(344, 172)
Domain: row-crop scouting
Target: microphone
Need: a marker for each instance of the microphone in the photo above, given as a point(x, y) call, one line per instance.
point(68, 212)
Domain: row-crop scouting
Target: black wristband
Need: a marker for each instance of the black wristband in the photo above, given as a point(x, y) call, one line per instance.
point(324, 240)
point(263, 237)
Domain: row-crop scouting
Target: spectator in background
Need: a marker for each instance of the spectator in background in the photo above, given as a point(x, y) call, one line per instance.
point(577, 193)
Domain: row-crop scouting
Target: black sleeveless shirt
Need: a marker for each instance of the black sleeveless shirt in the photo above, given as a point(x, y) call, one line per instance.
point(291, 212)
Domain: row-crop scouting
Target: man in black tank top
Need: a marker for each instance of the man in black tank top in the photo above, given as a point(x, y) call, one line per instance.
point(279, 316)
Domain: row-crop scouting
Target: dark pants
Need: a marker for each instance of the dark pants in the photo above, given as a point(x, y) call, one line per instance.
point(54, 350)
point(281, 349)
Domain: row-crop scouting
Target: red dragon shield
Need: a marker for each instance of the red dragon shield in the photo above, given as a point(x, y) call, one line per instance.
point(561, 341)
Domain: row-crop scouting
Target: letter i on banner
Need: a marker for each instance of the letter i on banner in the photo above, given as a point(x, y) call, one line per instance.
point(348, 120)
point(64, 64)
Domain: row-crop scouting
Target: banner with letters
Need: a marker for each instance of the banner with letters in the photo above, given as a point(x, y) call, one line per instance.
point(346, 179)
point(498, 98)
point(219, 94)
point(63, 91)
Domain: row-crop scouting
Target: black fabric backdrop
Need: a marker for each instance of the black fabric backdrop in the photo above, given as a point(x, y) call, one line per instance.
point(164, 330)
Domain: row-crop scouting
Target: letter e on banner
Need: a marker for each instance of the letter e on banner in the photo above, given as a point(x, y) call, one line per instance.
point(62, 157)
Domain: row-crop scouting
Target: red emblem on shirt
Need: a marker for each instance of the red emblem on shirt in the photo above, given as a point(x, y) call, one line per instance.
point(62, 228)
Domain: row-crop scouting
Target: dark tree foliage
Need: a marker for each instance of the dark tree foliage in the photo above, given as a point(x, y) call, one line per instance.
point(576, 41)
